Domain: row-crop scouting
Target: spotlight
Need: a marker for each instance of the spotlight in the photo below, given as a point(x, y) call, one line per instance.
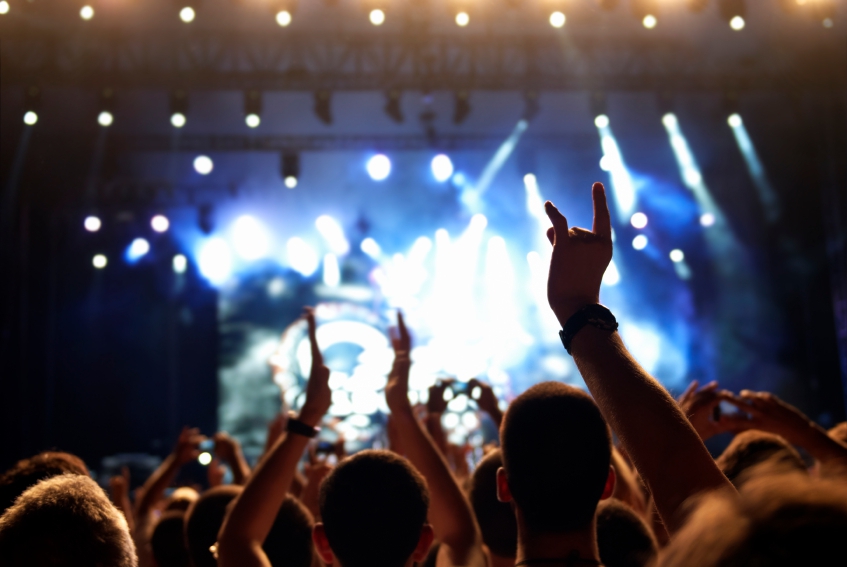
point(215, 260)
point(737, 23)
point(379, 167)
point(649, 21)
point(283, 18)
point(30, 118)
point(462, 107)
point(160, 223)
point(377, 17)
point(105, 119)
point(187, 14)
point(86, 12)
point(733, 12)
point(107, 105)
point(677, 256)
point(602, 121)
point(99, 261)
point(137, 249)
point(558, 19)
point(32, 102)
point(250, 238)
point(606, 163)
point(462, 19)
point(392, 106)
point(203, 165)
point(442, 168)
point(370, 247)
point(323, 107)
point(639, 242)
point(707, 219)
point(638, 220)
point(301, 257)
point(734, 120)
point(180, 264)
point(4, 7)
point(531, 106)
point(670, 120)
point(179, 108)
point(252, 108)
point(290, 169)
point(92, 223)
point(204, 458)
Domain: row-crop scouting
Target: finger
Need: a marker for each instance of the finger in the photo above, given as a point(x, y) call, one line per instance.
point(551, 235)
point(317, 357)
point(710, 386)
point(690, 389)
point(560, 223)
point(602, 219)
point(401, 327)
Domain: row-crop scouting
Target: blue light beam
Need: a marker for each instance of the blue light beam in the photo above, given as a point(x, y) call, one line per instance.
point(764, 189)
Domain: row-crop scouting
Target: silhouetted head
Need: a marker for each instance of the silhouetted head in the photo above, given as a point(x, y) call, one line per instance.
point(203, 521)
point(754, 447)
point(496, 519)
point(168, 540)
point(28, 472)
point(624, 538)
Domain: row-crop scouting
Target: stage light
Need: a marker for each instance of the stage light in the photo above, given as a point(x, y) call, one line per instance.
point(462, 107)
point(371, 248)
point(377, 17)
point(99, 261)
point(30, 118)
point(86, 12)
point(283, 18)
point(734, 121)
point(204, 458)
point(105, 119)
point(379, 167)
point(203, 165)
point(323, 106)
point(179, 108)
point(252, 108)
point(737, 23)
point(602, 121)
point(392, 106)
point(670, 121)
point(252, 120)
point(290, 168)
point(765, 191)
point(160, 223)
point(649, 21)
point(677, 255)
point(558, 19)
point(639, 220)
point(178, 120)
point(249, 238)
point(827, 23)
point(707, 219)
point(180, 264)
point(639, 242)
point(333, 233)
point(137, 249)
point(4, 7)
point(92, 223)
point(623, 188)
point(462, 19)
point(215, 261)
point(606, 163)
point(332, 273)
point(301, 257)
point(290, 182)
point(442, 168)
point(187, 14)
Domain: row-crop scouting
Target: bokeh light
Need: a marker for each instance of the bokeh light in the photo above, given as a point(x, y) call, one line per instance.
point(92, 223)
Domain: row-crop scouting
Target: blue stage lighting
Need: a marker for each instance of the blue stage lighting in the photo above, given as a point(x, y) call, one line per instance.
point(623, 188)
point(442, 168)
point(332, 232)
point(370, 247)
point(764, 189)
point(215, 260)
point(137, 249)
point(379, 167)
point(301, 257)
point(640, 242)
point(249, 238)
point(332, 273)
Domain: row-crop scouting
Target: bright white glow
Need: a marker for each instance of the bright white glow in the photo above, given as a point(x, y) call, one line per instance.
point(187, 14)
point(204, 458)
point(692, 177)
point(86, 12)
point(734, 120)
point(611, 276)
point(557, 19)
point(623, 187)
point(301, 257)
point(737, 23)
point(332, 232)
point(92, 224)
point(602, 121)
point(670, 121)
point(290, 181)
point(379, 167)
point(606, 163)
point(215, 260)
point(203, 165)
point(4, 7)
point(707, 219)
point(462, 19)
point(638, 220)
point(534, 202)
point(442, 168)
point(371, 248)
point(99, 261)
point(178, 119)
point(471, 194)
point(249, 238)
point(764, 189)
point(105, 119)
point(276, 287)
point(160, 223)
point(650, 21)
point(332, 273)
point(639, 242)
point(377, 17)
point(30, 118)
point(677, 255)
point(252, 120)
point(827, 23)
point(283, 18)
point(180, 264)
point(137, 249)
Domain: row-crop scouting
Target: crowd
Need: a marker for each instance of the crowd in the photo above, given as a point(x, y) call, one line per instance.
point(620, 477)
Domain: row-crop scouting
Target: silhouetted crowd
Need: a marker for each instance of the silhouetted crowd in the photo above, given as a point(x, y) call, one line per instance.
point(619, 477)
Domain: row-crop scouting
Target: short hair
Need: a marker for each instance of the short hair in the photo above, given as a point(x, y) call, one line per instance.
point(203, 521)
point(779, 519)
point(754, 447)
point(289, 543)
point(65, 521)
point(168, 540)
point(839, 432)
point(556, 451)
point(624, 538)
point(27, 472)
point(374, 506)
point(496, 519)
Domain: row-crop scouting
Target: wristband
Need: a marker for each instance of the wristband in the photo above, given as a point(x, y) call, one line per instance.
point(595, 315)
point(297, 427)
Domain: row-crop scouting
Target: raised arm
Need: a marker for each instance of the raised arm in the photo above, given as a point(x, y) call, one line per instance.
point(229, 450)
point(185, 451)
point(661, 442)
point(119, 487)
point(248, 523)
point(450, 512)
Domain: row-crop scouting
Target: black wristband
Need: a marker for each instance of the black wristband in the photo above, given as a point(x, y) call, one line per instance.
point(595, 315)
point(297, 427)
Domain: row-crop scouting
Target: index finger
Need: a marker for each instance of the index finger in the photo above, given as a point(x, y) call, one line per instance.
point(602, 219)
point(313, 334)
point(401, 327)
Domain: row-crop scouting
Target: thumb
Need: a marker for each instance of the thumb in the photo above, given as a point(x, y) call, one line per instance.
point(560, 223)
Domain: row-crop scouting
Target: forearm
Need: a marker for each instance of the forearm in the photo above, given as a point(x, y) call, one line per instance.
point(121, 500)
point(661, 442)
point(154, 489)
point(239, 467)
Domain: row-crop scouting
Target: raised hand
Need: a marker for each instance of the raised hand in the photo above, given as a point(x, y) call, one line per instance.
point(187, 446)
point(318, 394)
point(435, 403)
point(580, 258)
point(487, 400)
point(700, 405)
point(397, 389)
point(215, 473)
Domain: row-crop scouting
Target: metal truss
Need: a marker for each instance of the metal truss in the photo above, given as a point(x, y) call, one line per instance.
point(217, 60)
